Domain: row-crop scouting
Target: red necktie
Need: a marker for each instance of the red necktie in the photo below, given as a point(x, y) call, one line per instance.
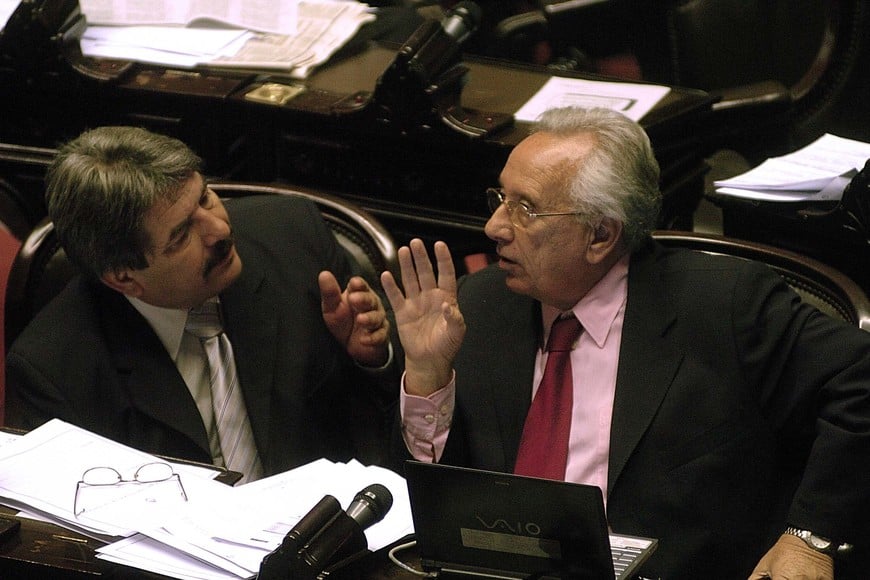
point(544, 446)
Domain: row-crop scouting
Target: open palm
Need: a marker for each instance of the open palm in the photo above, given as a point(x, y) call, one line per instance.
point(428, 319)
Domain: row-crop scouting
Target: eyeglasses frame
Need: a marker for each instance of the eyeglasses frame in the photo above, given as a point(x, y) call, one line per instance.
point(497, 194)
point(82, 483)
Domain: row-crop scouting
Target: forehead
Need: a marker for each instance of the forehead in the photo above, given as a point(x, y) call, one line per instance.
point(544, 163)
point(167, 213)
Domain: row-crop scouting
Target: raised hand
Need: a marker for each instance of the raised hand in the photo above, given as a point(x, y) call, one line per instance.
point(428, 319)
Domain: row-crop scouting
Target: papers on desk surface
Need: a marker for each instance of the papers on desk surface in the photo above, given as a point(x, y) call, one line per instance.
point(277, 16)
point(293, 36)
point(218, 532)
point(7, 7)
point(634, 100)
point(40, 472)
point(818, 172)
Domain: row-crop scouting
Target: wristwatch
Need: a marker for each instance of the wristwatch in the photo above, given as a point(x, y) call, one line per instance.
point(818, 543)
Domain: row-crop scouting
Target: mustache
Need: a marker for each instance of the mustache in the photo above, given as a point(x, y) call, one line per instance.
point(220, 252)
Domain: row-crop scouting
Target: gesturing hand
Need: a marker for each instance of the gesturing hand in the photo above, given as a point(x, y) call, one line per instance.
point(428, 319)
point(356, 318)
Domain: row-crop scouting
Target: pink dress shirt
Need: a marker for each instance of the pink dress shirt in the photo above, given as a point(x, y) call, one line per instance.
point(594, 361)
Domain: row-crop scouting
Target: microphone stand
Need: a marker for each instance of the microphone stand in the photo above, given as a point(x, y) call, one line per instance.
point(406, 99)
point(338, 540)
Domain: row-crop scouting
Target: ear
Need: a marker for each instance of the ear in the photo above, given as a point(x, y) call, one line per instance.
point(123, 282)
point(605, 238)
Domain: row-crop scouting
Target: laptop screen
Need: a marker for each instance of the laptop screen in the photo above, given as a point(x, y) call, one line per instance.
point(508, 526)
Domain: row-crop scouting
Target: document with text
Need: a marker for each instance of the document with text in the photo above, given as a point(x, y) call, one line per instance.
point(818, 172)
point(634, 100)
point(278, 16)
point(172, 518)
point(319, 29)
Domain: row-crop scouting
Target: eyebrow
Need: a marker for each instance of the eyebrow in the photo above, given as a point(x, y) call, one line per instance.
point(177, 230)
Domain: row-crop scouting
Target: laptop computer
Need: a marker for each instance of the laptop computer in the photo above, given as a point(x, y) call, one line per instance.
point(498, 525)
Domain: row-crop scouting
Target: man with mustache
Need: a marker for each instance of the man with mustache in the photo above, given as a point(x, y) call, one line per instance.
point(112, 354)
point(715, 410)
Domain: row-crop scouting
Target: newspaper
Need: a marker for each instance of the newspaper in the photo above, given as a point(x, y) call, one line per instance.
point(320, 28)
point(278, 16)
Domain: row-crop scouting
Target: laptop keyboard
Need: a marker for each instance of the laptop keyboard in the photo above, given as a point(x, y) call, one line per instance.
point(622, 559)
point(625, 551)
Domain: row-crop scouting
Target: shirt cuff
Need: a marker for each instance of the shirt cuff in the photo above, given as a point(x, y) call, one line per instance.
point(383, 367)
point(426, 420)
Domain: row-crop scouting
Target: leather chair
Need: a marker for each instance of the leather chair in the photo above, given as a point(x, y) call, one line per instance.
point(826, 288)
point(41, 269)
point(777, 66)
point(358, 231)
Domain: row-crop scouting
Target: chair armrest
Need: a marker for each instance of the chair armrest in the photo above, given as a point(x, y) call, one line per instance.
point(767, 94)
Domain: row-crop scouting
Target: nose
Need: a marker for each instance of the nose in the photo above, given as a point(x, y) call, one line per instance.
point(499, 227)
point(213, 226)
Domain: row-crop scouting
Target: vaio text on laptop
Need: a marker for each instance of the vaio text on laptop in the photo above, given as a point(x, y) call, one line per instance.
point(473, 522)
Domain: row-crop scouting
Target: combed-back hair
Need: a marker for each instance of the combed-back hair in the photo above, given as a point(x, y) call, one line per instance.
point(619, 178)
point(100, 187)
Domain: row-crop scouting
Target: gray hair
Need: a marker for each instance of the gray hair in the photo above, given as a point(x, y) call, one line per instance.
point(619, 178)
point(100, 186)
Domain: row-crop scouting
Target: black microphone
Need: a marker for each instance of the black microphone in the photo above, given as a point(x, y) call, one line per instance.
point(277, 564)
point(344, 534)
point(370, 505)
point(311, 523)
point(442, 45)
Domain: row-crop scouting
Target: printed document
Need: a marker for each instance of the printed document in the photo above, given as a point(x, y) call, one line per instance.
point(291, 40)
point(634, 100)
point(186, 526)
point(278, 16)
point(818, 172)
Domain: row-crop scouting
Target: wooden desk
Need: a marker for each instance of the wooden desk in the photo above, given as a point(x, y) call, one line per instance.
point(427, 183)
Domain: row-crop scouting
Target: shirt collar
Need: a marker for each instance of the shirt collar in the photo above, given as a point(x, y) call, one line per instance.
point(167, 323)
point(597, 310)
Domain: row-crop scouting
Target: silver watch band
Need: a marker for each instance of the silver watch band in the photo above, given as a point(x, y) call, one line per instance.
point(819, 543)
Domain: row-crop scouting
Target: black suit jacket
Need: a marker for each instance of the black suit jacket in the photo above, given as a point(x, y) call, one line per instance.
point(737, 409)
point(91, 359)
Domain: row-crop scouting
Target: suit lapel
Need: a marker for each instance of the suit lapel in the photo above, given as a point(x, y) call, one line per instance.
point(513, 403)
point(252, 327)
point(154, 384)
point(647, 361)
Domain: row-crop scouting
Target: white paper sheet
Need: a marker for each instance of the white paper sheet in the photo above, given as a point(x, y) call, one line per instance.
point(634, 100)
point(818, 172)
point(321, 28)
point(218, 532)
point(7, 7)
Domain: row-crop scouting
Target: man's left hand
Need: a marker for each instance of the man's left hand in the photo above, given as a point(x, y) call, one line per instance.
point(356, 318)
point(790, 558)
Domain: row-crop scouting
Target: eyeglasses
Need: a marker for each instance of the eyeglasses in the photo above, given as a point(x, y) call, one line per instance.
point(519, 212)
point(155, 472)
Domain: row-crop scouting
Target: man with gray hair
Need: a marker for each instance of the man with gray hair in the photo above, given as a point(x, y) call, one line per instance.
point(199, 330)
point(714, 410)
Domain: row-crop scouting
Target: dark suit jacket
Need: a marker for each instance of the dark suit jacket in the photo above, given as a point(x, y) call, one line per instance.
point(727, 387)
point(91, 359)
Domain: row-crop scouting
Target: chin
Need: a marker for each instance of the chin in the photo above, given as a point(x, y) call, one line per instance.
point(223, 276)
point(232, 272)
point(516, 285)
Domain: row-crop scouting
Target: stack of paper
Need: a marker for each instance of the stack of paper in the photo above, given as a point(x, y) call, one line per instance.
point(7, 7)
point(293, 36)
point(215, 532)
point(818, 172)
